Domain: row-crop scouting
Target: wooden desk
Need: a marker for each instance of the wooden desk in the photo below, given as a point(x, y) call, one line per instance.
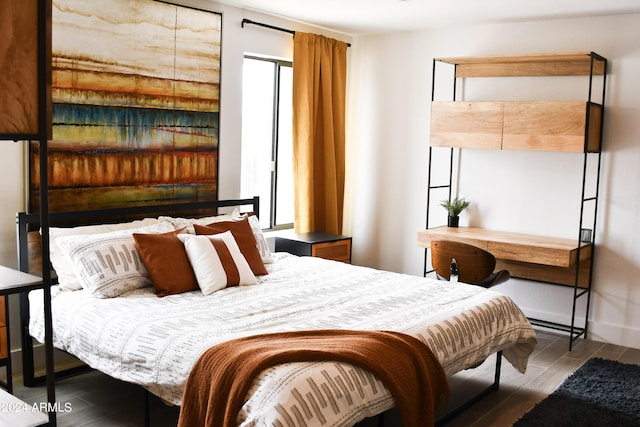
point(545, 259)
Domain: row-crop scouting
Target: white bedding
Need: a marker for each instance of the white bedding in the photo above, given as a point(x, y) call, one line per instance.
point(154, 342)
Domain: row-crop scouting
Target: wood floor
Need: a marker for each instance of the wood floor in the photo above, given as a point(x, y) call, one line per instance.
point(97, 400)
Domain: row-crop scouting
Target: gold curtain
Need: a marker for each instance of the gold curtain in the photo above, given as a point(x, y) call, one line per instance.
point(319, 87)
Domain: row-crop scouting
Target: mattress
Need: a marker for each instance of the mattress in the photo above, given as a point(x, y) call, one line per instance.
point(154, 342)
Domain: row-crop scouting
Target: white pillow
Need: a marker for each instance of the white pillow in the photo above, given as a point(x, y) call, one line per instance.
point(187, 223)
point(261, 241)
point(62, 264)
point(217, 261)
point(108, 264)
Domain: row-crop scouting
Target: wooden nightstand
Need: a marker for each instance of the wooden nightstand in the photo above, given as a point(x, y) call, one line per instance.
point(322, 245)
point(11, 282)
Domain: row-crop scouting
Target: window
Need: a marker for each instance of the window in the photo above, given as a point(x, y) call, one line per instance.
point(267, 150)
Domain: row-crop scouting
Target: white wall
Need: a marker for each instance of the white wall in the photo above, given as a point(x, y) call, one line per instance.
point(12, 196)
point(515, 191)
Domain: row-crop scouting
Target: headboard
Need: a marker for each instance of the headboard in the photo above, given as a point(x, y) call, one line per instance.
point(29, 259)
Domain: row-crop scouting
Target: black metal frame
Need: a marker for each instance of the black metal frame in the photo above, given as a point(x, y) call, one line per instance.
point(448, 416)
point(6, 363)
point(430, 186)
point(41, 136)
point(574, 331)
point(27, 222)
point(478, 397)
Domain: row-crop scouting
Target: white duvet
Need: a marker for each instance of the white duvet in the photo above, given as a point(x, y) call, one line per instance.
point(154, 342)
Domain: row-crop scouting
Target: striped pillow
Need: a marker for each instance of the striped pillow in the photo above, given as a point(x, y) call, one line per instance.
point(244, 237)
point(217, 261)
point(108, 264)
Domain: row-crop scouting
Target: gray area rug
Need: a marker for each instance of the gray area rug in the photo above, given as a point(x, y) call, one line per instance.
point(601, 393)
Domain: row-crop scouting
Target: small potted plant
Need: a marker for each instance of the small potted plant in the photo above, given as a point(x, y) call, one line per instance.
point(454, 207)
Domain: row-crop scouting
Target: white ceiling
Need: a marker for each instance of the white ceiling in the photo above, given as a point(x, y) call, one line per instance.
point(357, 17)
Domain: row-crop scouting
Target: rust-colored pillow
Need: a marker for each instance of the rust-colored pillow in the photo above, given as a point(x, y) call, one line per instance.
point(244, 237)
point(166, 261)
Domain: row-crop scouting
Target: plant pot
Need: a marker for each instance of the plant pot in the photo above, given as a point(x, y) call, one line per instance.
point(452, 221)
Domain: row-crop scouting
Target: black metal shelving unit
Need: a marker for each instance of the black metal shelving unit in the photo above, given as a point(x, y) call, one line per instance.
point(595, 65)
point(41, 136)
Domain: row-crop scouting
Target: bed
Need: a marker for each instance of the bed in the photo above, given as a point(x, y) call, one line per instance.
point(153, 342)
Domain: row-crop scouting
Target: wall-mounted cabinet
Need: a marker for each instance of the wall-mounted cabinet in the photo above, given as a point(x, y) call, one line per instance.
point(568, 126)
point(518, 125)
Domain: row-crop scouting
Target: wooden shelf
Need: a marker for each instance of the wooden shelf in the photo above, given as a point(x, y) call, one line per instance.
point(552, 64)
point(546, 259)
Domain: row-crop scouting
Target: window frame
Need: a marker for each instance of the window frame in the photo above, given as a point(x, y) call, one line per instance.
point(275, 133)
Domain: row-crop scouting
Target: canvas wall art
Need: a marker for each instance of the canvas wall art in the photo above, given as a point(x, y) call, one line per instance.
point(135, 91)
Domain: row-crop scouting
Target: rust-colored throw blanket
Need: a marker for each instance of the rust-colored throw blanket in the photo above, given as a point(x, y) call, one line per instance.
point(220, 379)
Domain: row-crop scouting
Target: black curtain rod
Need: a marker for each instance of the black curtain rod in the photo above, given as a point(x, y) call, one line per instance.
point(273, 27)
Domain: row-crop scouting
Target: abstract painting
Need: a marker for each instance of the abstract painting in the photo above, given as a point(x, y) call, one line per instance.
point(135, 91)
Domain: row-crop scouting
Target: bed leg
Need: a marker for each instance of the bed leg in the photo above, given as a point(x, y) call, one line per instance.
point(474, 399)
point(28, 365)
point(496, 378)
point(147, 408)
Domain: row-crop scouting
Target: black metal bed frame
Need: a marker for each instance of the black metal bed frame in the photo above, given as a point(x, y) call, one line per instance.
point(494, 386)
point(26, 222)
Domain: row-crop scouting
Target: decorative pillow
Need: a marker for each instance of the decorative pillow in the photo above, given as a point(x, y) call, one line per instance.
point(166, 261)
point(188, 222)
point(254, 222)
point(217, 261)
point(243, 235)
point(62, 264)
point(261, 241)
point(108, 264)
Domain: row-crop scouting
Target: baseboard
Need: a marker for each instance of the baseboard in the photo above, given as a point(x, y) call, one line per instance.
point(553, 317)
point(615, 334)
point(598, 331)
